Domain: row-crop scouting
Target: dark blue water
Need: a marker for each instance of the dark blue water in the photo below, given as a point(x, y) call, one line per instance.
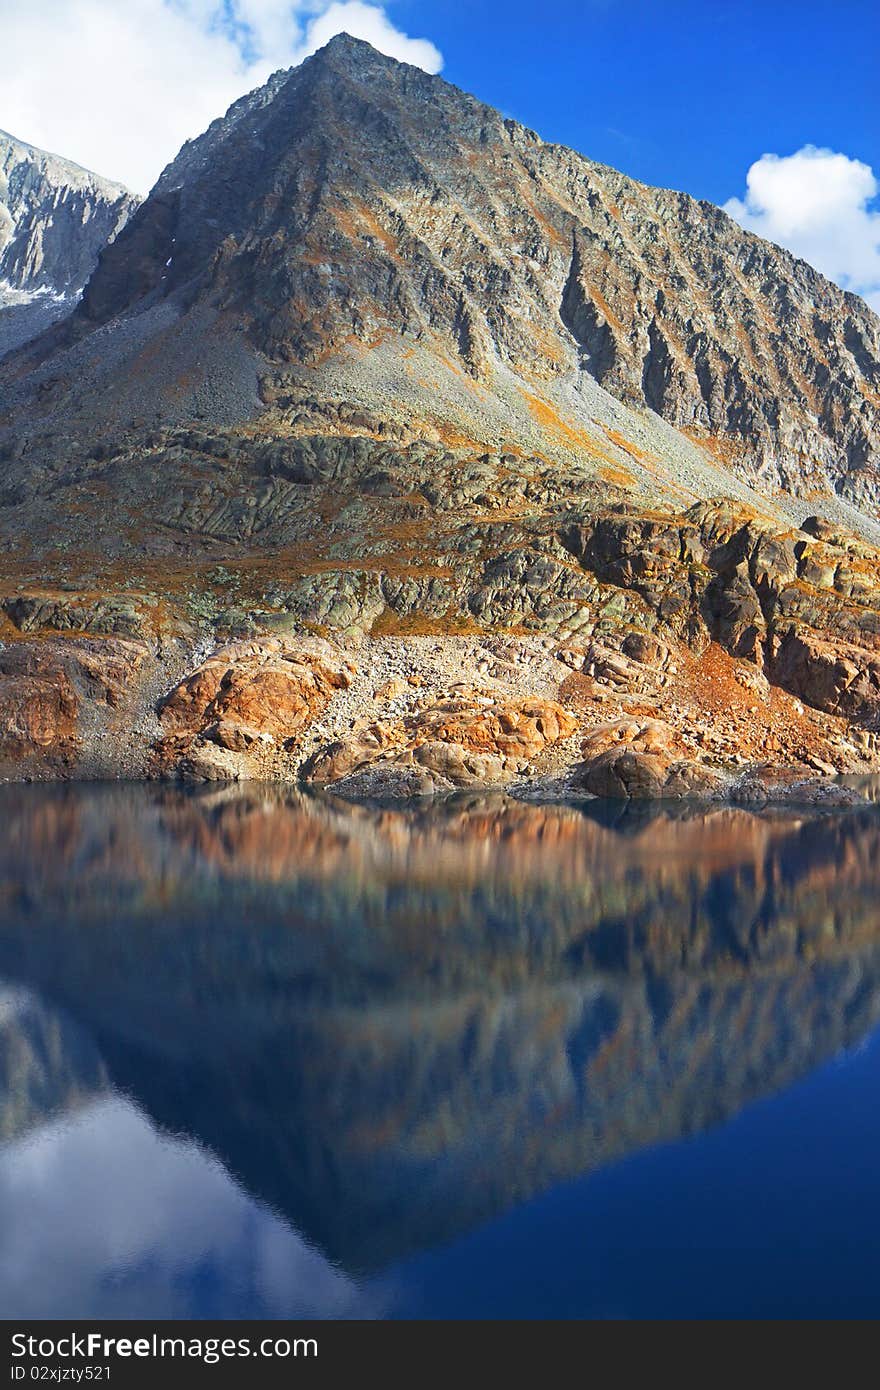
point(265, 1056)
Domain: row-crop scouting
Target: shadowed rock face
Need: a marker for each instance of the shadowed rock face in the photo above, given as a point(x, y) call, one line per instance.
point(54, 220)
point(392, 1026)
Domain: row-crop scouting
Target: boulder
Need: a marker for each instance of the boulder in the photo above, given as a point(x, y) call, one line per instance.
point(828, 674)
point(120, 615)
point(38, 711)
point(635, 776)
point(249, 693)
point(642, 760)
point(462, 742)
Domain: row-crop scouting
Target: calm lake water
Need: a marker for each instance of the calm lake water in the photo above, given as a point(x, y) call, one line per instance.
point(265, 1056)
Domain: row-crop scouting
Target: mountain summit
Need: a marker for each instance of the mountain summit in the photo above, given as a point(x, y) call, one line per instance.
point(472, 460)
point(356, 202)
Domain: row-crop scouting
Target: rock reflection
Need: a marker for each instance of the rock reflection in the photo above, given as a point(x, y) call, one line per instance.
point(48, 1066)
point(391, 1025)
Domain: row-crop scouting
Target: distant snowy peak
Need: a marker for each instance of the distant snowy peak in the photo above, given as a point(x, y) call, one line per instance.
point(55, 218)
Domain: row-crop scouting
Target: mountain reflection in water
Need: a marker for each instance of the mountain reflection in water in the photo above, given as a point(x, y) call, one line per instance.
point(265, 1055)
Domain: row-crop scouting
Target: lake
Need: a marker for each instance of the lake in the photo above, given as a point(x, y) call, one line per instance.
point(265, 1055)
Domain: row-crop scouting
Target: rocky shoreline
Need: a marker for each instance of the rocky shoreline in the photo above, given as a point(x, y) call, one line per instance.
point(566, 648)
point(392, 719)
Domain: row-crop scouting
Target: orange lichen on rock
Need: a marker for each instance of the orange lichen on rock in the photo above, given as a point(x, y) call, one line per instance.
point(604, 307)
point(563, 430)
point(625, 444)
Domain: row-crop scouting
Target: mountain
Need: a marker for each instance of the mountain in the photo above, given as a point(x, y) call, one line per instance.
point(356, 201)
point(377, 391)
point(54, 219)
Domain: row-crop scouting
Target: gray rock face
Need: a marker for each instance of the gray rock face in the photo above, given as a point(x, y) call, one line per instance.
point(54, 220)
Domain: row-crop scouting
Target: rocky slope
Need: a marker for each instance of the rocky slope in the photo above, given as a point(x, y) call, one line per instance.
point(55, 218)
point(392, 448)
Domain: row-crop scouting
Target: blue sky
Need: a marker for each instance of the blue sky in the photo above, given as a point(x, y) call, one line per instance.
point(690, 96)
point(768, 109)
point(682, 94)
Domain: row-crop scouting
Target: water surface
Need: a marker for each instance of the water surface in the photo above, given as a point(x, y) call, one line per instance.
point(268, 1056)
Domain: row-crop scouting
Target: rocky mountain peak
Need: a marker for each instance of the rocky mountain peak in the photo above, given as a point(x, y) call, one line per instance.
point(54, 219)
point(357, 200)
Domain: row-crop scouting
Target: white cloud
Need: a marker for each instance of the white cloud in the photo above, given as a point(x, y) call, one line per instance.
point(820, 205)
point(372, 24)
point(102, 1215)
point(118, 87)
